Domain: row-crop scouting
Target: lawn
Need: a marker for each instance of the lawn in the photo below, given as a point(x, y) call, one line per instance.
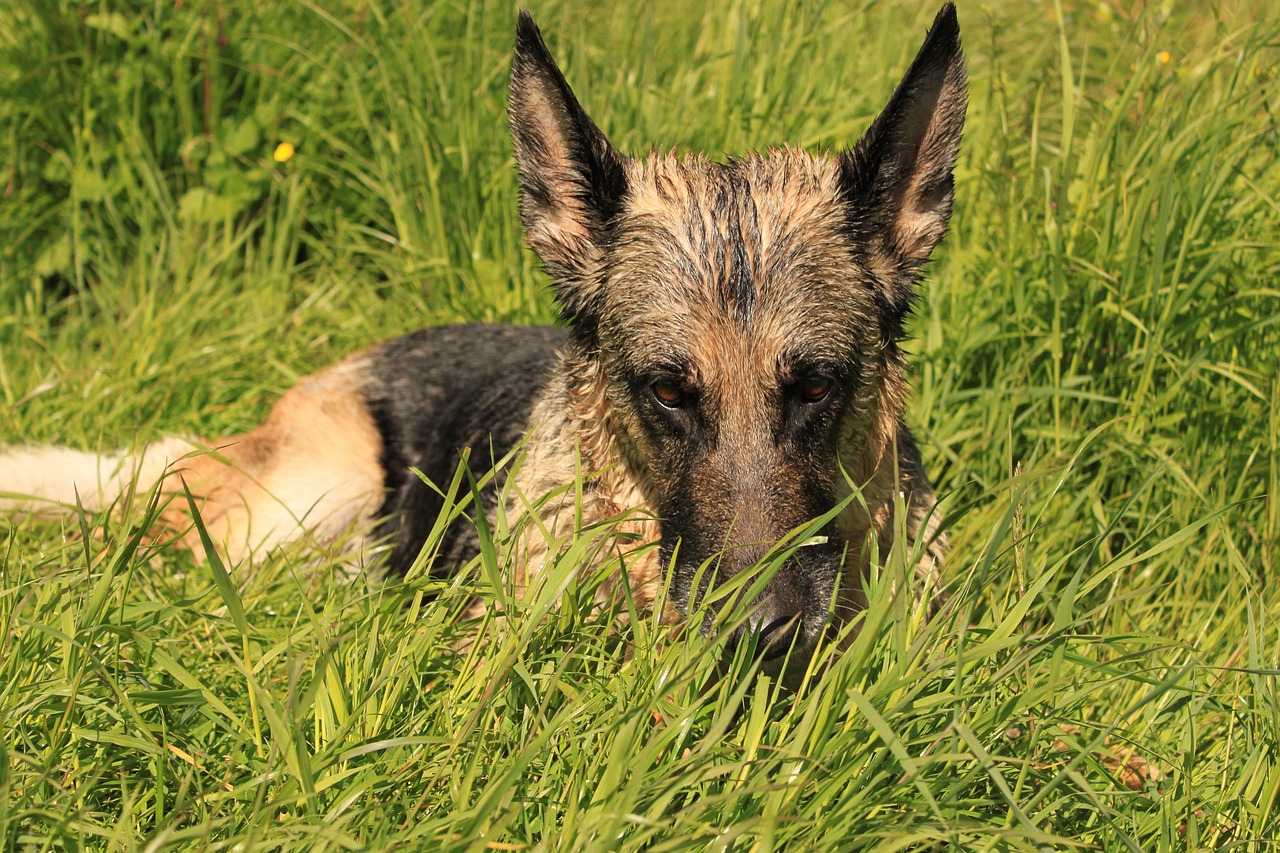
point(1096, 390)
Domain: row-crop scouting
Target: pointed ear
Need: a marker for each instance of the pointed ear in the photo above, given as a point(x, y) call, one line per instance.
point(898, 177)
point(572, 180)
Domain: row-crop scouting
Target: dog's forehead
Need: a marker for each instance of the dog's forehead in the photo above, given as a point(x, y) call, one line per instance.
point(771, 206)
point(791, 177)
point(753, 253)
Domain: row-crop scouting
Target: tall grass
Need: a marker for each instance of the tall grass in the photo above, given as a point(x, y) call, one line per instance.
point(1097, 392)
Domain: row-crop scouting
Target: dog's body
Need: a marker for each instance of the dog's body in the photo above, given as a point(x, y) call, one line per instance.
point(730, 370)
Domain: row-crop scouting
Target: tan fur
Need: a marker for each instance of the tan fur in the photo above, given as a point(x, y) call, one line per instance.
point(47, 481)
point(804, 272)
point(311, 469)
point(567, 435)
point(672, 205)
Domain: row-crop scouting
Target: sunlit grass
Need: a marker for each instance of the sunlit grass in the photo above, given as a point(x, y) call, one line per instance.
point(200, 203)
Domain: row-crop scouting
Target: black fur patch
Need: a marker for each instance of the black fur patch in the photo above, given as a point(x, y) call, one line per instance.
point(436, 392)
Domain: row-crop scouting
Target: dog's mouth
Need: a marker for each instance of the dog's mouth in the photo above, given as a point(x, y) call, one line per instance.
point(785, 619)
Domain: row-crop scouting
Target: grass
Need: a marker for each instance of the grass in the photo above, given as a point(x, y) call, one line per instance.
point(1097, 394)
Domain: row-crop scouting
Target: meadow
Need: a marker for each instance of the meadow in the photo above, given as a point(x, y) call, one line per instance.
point(201, 201)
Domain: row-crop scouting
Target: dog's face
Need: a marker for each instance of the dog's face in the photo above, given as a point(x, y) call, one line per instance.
point(740, 340)
point(742, 318)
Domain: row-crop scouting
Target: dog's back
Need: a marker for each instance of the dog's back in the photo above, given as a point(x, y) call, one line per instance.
point(335, 456)
point(432, 394)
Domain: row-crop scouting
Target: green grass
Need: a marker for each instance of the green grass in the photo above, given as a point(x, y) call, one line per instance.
point(1097, 394)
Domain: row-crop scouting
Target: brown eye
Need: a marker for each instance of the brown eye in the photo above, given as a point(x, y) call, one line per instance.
point(668, 393)
point(814, 388)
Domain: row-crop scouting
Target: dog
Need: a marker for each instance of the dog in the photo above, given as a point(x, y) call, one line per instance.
point(728, 371)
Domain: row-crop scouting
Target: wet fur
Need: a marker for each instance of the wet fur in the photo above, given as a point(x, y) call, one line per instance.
point(705, 302)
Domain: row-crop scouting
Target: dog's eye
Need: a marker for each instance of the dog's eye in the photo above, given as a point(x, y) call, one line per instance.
point(668, 393)
point(814, 388)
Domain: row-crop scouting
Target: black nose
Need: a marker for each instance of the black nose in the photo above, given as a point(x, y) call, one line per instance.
point(777, 636)
point(774, 626)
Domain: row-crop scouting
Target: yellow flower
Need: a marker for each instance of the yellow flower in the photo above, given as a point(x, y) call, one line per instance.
point(283, 152)
point(1164, 57)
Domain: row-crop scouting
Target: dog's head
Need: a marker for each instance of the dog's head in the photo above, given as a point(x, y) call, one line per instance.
point(739, 321)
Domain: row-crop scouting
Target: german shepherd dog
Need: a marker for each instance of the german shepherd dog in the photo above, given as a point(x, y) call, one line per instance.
point(728, 371)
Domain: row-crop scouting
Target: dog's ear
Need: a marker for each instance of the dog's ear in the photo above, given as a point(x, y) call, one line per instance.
point(572, 180)
point(898, 177)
